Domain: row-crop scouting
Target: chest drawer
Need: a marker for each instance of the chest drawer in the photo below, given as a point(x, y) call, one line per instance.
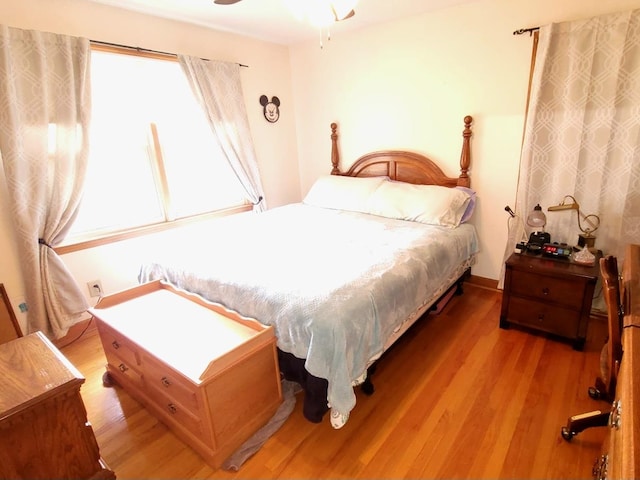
point(175, 388)
point(563, 291)
point(117, 348)
point(123, 372)
point(175, 413)
point(543, 316)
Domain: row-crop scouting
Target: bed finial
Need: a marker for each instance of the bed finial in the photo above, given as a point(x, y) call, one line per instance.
point(465, 156)
point(335, 156)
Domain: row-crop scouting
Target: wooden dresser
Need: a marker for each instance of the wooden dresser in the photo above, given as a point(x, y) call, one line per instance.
point(620, 457)
point(208, 373)
point(44, 432)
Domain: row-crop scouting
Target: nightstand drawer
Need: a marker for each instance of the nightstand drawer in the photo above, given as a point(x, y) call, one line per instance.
point(548, 318)
point(567, 292)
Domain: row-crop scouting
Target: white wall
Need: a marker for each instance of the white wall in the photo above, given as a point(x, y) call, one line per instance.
point(268, 73)
point(408, 84)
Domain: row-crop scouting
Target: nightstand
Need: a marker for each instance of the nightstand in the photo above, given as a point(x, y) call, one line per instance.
point(549, 295)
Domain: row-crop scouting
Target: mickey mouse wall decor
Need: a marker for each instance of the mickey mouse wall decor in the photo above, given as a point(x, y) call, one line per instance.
point(270, 109)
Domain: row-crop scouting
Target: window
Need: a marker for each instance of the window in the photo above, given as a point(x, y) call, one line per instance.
point(153, 158)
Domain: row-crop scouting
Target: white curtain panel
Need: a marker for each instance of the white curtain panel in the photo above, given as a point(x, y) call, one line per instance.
point(218, 89)
point(45, 106)
point(582, 136)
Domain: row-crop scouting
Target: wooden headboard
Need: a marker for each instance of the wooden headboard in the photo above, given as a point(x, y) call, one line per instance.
point(405, 166)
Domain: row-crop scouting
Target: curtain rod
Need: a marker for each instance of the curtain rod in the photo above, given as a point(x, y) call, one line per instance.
point(145, 50)
point(525, 30)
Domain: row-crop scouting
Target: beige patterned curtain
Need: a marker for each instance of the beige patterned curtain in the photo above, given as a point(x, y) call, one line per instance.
point(44, 115)
point(582, 136)
point(218, 90)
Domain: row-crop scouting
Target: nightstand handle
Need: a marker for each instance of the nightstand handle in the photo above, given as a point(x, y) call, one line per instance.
point(545, 291)
point(165, 382)
point(123, 368)
point(115, 344)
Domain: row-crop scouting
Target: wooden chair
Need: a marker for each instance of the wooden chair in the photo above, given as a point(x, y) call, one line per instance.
point(610, 356)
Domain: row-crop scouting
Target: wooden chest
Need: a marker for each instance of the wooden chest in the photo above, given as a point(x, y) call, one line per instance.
point(208, 373)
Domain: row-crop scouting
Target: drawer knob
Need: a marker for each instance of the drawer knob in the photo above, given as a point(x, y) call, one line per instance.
point(172, 408)
point(540, 317)
point(615, 416)
point(165, 382)
point(123, 368)
point(545, 291)
point(115, 344)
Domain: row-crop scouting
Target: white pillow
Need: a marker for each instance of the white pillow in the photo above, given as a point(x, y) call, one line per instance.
point(431, 204)
point(343, 193)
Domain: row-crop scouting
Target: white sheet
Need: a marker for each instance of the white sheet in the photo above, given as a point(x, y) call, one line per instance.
point(335, 284)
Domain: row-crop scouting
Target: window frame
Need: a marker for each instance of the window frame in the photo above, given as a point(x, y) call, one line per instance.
point(95, 240)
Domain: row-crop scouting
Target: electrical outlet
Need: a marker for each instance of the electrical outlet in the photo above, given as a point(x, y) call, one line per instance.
point(95, 288)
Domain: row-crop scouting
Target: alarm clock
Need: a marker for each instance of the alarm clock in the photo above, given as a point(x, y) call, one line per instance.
point(558, 250)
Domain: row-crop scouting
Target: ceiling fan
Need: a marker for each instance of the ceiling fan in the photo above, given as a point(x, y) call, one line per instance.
point(349, 14)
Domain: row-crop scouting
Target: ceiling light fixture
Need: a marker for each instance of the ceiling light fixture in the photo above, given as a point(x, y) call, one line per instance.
point(322, 13)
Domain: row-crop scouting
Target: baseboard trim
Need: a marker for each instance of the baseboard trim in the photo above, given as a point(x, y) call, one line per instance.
point(483, 282)
point(83, 328)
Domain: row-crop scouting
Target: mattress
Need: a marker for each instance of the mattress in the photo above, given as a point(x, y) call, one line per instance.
point(336, 285)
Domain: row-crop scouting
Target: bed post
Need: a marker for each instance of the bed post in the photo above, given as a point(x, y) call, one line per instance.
point(465, 156)
point(335, 156)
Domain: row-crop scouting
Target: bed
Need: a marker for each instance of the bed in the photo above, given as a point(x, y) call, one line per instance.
point(342, 274)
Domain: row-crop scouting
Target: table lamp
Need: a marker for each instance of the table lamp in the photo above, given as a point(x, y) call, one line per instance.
point(586, 238)
point(537, 220)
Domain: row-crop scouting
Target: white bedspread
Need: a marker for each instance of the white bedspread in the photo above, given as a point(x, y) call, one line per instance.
point(334, 284)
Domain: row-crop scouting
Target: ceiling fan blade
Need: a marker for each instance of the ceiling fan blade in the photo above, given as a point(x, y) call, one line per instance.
point(225, 2)
point(351, 13)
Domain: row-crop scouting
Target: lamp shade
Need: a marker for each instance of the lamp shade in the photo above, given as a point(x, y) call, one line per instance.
point(537, 219)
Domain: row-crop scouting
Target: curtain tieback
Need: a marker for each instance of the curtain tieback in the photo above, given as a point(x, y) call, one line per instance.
point(259, 200)
point(42, 242)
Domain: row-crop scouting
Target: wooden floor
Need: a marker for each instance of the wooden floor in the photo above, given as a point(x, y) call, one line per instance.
point(457, 397)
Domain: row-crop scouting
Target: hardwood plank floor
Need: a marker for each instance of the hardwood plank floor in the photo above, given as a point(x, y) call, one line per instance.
point(456, 397)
